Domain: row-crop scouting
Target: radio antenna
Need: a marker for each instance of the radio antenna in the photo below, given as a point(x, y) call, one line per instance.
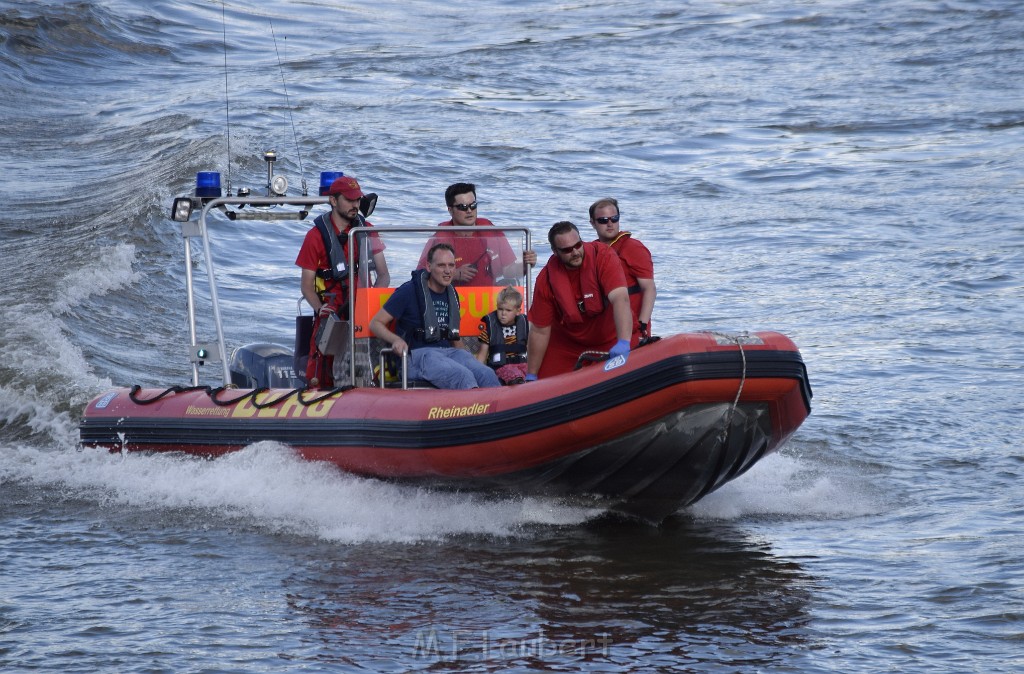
point(227, 107)
point(288, 106)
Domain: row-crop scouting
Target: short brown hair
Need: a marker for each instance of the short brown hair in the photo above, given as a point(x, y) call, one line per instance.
point(607, 201)
point(436, 247)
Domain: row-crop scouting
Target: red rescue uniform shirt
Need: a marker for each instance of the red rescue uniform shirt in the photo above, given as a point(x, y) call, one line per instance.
point(597, 331)
point(489, 251)
point(636, 264)
point(313, 255)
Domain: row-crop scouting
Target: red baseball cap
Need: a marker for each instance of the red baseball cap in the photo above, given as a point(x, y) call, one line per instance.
point(346, 186)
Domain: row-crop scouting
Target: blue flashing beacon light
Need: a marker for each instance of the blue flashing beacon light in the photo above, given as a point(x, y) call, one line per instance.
point(208, 184)
point(326, 178)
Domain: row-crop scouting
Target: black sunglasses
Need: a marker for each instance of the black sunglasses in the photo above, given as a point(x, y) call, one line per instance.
point(569, 249)
point(465, 207)
point(605, 221)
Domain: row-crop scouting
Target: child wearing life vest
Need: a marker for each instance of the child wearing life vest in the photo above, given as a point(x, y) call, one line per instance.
point(503, 334)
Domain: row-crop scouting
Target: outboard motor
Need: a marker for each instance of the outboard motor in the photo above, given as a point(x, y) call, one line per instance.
point(264, 366)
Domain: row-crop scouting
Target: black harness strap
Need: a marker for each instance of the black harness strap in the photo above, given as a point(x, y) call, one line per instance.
point(432, 331)
point(335, 251)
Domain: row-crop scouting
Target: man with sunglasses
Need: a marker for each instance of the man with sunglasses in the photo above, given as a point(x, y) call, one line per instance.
point(580, 303)
point(636, 264)
point(482, 258)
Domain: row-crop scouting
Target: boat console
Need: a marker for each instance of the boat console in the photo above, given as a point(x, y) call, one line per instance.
point(359, 362)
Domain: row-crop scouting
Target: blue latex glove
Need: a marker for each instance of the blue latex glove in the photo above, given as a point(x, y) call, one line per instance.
point(621, 348)
point(531, 377)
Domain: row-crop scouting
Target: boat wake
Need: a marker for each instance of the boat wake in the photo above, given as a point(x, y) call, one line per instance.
point(44, 374)
point(268, 487)
point(788, 487)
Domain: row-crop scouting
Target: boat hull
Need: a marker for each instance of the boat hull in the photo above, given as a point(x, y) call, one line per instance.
point(683, 416)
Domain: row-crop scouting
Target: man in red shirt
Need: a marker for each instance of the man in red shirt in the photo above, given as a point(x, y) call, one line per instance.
point(323, 258)
point(482, 258)
point(580, 303)
point(636, 264)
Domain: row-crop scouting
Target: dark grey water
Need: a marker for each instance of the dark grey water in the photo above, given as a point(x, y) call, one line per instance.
point(848, 173)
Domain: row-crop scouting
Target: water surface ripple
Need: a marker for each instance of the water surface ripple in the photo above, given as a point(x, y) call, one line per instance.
point(845, 172)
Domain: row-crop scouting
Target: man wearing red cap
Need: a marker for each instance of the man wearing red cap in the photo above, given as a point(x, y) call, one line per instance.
point(323, 258)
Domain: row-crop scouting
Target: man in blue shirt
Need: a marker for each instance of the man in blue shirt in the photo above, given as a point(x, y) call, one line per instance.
point(425, 310)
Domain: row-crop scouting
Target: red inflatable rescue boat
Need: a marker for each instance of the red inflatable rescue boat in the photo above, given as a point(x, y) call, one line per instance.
point(684, 415)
